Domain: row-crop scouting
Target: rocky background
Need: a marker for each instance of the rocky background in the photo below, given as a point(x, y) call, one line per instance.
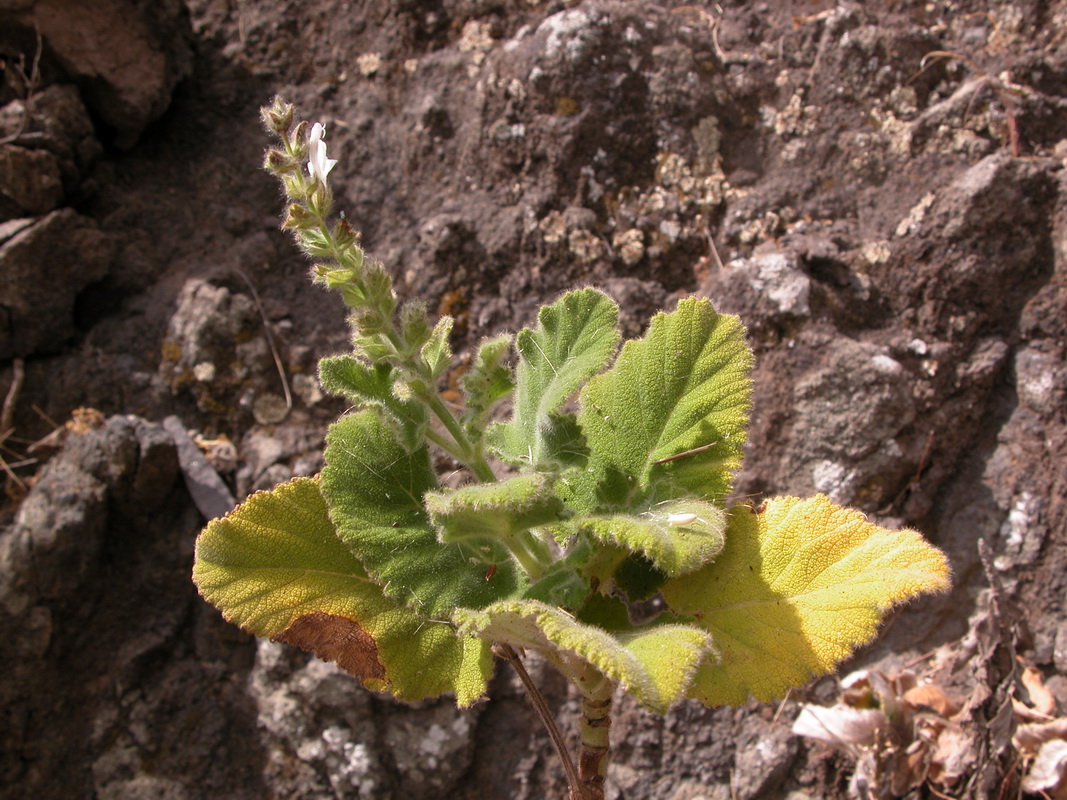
point(877, 188)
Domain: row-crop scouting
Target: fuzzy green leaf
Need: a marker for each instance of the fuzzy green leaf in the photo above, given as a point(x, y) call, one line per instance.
point(677, 537)
point(374, 490)
point(437, 352)
point(669, 418)
point(488, 381)
point(562, 441)
point(574, 339)
point(372, 386)
point(275, 567)
point(655, 663)
point(414, 325)
point(795, 590)
point(360, 382)
point(493, 510)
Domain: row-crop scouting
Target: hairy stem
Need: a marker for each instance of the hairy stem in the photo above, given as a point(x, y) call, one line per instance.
point(469, 455)
point(528, 554)
point(595, 726)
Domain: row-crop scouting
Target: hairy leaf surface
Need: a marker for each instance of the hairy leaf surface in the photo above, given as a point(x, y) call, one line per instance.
point(795, 590)
point(494, 510)
point(669, 418)
point(677, 537)
point(655, 663)
point(574, 339)
point(372, 386)
point(275, 567)
point(488, 381)
point(374, 489)
point(437, 352)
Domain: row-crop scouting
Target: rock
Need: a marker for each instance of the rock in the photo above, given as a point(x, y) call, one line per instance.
point(319, 727)
point(43, 267)
point(66, 545)
point(325, 739)
point(201, 354)
point(638, 300)
point(54, 128)
point(126, 55)
point(30, 182)
point(210, 493)
point(765, 752)
point(848, 412)
point(55, 543)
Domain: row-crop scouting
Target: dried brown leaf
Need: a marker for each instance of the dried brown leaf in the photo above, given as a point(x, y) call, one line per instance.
point(840, 725)
point(1046, 774)
point(953, 755)
point(933, 697)
point(1041, 698)
point(1030, 737)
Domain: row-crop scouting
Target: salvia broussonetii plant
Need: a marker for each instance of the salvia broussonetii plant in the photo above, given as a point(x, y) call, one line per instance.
point(601, 495)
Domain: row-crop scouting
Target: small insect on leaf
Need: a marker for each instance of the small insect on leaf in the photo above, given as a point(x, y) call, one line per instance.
point(674, 520)
point(490, 571)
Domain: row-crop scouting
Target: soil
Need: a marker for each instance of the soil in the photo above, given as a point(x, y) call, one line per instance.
point(877, 189)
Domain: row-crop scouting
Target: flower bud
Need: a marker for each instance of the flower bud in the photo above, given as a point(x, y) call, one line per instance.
point(345, 235)
point(278, 116)
point(298, 218)
point(278, 162)
point(298, 138)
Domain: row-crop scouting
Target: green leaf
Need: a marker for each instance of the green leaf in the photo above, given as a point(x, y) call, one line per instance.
point(275, 567)
point(374, 490)
point(669, 418)
point(437, 352)
point(414, 325)
point(574, 338)
point(796, 588)
point(351, 378)
point(487, 382)
point(494, 510)
point(562, 441)
point(677, 537)
point(563, 585)
point(372, 386)
point(655, 663)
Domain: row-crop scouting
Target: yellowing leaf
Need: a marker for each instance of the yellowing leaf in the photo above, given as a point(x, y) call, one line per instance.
point(276, 567)
point(794, 591)
point(654, 663)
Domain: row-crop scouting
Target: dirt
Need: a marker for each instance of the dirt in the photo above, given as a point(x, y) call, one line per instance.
point(877, 189)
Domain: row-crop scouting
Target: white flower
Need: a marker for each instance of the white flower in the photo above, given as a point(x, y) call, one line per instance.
point(318, 165)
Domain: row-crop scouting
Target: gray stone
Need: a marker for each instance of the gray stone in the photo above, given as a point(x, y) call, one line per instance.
point(210, 493)
point(54, 123)
point(848, 412)
point(200, 354)
point(765, 752)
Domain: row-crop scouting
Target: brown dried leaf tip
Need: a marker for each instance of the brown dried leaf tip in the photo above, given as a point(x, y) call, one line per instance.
point(336, 638)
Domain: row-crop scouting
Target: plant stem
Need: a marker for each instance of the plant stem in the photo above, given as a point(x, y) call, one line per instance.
point(469, 456)
point(595, 726)
point(577, 790)
point(522, 547)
